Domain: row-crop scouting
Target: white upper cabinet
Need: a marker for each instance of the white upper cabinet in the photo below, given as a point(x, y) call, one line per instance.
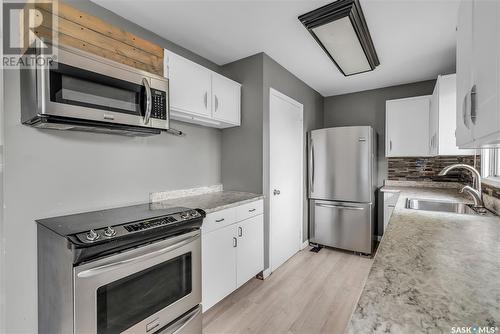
point(442, 125)
point(226, 97)
point(199, 95)
point(478, 70)
point(434, 122)
point(485, 27)
point(464, 135)
point(407, 127)
point(190, 86)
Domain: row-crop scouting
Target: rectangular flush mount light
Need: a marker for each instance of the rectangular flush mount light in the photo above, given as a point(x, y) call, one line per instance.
point(341, 31)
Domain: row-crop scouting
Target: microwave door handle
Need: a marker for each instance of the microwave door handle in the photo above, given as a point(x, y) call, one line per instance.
point(147, 115)
point(112, 266)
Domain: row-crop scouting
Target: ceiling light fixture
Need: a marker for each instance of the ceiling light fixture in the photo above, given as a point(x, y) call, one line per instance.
point(341, 31)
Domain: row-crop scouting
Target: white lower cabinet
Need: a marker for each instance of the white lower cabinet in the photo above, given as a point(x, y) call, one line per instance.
point(250, 249)
point(390, 200)
point(232, 250)
point(218, 265)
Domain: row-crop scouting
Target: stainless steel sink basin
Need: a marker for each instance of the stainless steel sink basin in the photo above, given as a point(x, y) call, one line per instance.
point(443, 206)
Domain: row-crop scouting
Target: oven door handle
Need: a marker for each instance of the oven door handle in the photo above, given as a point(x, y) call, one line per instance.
point(149, 105)
point(112, 266)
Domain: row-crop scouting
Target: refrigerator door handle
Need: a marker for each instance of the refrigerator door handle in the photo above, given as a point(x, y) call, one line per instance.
point(339, 206)
point(311, 167)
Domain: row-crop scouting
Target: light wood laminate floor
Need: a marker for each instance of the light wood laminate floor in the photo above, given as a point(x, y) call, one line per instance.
point(310, 293)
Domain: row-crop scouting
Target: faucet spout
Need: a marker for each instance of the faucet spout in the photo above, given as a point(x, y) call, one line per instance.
point(475, 173)
point(476, 196)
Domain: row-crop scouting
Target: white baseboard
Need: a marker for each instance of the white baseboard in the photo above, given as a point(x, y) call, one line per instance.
point(304, 245)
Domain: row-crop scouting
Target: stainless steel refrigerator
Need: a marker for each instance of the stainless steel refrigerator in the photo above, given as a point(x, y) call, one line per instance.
point(342, 183)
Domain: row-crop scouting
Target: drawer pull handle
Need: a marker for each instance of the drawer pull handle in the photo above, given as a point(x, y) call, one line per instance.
point(251, 210)
point(240, 231)
point(219, 220)
point(235, 242)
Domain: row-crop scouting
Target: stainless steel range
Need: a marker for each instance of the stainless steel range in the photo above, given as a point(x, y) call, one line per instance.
point(134, 269)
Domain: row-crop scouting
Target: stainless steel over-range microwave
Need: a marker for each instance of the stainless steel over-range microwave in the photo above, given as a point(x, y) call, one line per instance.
point(81, 91)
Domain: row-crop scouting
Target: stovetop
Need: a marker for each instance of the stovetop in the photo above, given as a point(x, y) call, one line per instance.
point(111, 224)
point(98, 233)
point(83, 222)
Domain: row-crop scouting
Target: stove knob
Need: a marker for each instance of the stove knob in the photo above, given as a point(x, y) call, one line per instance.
point(194, 213)
point(109, 232)
point(92, 235)
point(185, 215)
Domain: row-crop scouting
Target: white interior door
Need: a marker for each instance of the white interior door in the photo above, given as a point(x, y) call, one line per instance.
point(286, 177)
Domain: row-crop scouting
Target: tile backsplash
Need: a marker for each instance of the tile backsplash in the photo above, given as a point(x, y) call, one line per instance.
point(428, 168)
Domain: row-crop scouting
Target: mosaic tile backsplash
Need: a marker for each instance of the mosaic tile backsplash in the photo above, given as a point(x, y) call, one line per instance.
point(428, 168)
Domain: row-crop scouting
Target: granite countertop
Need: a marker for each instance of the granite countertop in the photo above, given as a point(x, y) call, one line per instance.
point(432, 271)
point(212, 201)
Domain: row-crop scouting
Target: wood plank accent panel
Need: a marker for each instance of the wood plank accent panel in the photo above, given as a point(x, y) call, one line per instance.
point(91, 34)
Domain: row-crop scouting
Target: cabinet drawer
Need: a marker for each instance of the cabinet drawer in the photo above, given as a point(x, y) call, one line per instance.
point(249, 210)
point(219, 219)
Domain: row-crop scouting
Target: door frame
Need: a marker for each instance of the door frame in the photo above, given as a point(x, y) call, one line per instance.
point(278, 94)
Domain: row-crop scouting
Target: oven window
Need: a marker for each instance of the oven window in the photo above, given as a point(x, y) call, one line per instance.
point(75, 86)
point(123, 303)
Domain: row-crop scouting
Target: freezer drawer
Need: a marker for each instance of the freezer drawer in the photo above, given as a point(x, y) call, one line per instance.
point(342, 225)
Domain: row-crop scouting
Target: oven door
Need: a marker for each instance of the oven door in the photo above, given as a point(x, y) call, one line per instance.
point(141, 290)
point(85, 87)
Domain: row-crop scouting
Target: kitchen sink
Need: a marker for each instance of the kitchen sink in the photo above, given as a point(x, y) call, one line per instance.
point(444, 206)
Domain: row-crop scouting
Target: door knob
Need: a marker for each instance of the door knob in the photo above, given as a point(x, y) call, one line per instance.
point(276, 192)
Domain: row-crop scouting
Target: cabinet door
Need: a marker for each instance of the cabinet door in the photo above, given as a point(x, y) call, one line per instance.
point(407, 127)
point(226, 99)
point(388, 209)
point(464, 136)
point(447, 100)
point(434, 121)
point(250, 250)
point(190, 85)
point(218, 265)
point(485, 27)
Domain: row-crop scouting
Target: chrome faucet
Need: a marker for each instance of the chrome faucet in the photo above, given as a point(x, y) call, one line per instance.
point(476, 192)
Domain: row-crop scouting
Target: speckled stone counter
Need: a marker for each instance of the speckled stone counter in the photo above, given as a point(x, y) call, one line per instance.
point(432, 271)
point(211, 202)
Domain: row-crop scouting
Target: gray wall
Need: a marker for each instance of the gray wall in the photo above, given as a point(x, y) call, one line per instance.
point(368, 108)
point(51, 173)
point(241, 166)
point(245, 150)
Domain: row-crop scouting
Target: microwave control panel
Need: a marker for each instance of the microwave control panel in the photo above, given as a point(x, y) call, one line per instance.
point(159, 101)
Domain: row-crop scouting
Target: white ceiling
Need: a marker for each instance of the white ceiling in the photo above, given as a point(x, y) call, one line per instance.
point(414, 39)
